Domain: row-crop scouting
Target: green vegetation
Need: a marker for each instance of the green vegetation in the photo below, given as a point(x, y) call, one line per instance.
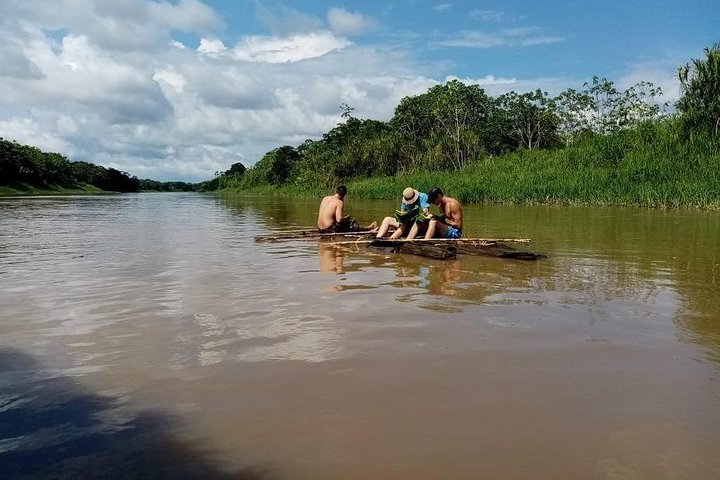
point(600, 145)
point(26, 170)
point(147, 185)
point(25, 189)
point(700, 81)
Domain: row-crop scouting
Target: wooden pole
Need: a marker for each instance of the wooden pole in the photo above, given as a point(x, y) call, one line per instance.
point(434, 240)
point(309, 235)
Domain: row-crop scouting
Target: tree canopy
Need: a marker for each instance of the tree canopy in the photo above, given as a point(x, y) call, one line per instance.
point(448, 127)
point(24, 164)
point(700, 83)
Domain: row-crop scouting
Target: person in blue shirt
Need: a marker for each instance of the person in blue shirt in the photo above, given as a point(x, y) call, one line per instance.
point(411, 204)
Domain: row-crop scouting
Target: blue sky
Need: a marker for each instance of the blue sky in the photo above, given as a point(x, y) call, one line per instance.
point(575, 39)
point(176, 90)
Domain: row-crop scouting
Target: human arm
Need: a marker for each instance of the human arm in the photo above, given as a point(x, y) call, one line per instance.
point(338, 212)
point(424, 203)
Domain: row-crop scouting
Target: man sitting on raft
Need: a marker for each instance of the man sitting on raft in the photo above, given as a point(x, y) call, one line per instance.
point(447, 225)
point(331, 218)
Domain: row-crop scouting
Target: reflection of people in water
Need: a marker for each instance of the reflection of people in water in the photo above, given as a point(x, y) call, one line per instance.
point(436, 279)
point(331, 259)
point(443, 279)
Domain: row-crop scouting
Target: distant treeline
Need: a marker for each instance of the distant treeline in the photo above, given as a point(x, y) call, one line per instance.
point(24, 165)
point(456, 127)
point(148, 185)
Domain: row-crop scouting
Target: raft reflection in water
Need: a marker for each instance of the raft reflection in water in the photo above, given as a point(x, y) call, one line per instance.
point(463, 281)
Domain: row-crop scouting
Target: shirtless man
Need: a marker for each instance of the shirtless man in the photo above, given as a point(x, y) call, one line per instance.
point(331, 217)
point(452, 225)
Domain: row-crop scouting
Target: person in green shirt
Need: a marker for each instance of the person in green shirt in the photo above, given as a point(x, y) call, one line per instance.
point(412, 203)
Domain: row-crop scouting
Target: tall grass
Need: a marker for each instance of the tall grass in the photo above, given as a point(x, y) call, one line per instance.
point(652, 165)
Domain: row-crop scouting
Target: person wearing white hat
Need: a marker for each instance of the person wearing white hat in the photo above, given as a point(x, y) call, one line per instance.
point(412, 203)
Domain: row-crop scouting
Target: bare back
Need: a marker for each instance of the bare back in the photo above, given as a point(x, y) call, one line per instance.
point(331, 211)
point(452, 210)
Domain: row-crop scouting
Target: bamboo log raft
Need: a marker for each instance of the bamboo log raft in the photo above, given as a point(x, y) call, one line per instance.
point(447, 249)
point(439, 251)
point(312, 235)
point(438, 248)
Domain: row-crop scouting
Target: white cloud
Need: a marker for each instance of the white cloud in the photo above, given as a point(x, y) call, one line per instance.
point(211, 46)
point(349, 23)
point(124, 26)
point(441, 7)
point(495, 86)
point(169, 77)
point(473, 39)
point(31, 132)
point(515, 37)
point(663, 76)
point(488, 15)
point(288, 49)
point(66, 125)
point(14, 61)
point(168, 112)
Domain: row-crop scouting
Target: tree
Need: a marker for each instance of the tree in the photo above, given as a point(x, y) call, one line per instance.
point(458, 109)
point(236, 169)
point(605, 102)
point(572, 108)
point(447, 124)
point(609, 109)
point(638, 104)
point(531, 119)
point(274, 168)
point(700, 84)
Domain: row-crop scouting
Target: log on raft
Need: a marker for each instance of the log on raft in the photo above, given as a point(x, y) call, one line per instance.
point(313, 235)
point(448, 249)
point(440, 251)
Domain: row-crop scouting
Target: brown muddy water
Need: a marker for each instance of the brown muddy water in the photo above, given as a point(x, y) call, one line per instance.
point(149, 336)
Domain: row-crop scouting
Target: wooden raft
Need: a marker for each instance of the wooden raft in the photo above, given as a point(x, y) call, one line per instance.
point(312, 235)
point(447, 249)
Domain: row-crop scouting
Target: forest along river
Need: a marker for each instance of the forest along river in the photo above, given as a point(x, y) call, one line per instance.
point(150, 335)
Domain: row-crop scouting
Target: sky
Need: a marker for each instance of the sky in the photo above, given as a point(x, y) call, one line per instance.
point(179, 90)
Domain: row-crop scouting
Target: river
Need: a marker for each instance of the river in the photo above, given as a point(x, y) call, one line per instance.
point(149, 336)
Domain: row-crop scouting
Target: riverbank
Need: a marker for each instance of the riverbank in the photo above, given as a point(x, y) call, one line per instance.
point(652, 167)
point(30, 190)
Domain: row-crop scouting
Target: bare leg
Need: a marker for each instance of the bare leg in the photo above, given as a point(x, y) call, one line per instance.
point(417, 229)
point(432, 224)
point(404, 227)
point(439, 229)
point(413, 231)
point(385, 226)
point(372, 227)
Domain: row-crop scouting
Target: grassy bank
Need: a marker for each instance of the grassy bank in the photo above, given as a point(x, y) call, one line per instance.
point(650, 166)
point(29, 190)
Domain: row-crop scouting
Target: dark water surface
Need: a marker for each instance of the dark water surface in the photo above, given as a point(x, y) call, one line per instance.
point(149, 336)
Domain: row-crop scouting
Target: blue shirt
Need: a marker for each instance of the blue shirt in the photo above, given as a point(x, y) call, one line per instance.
point(422, 201)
